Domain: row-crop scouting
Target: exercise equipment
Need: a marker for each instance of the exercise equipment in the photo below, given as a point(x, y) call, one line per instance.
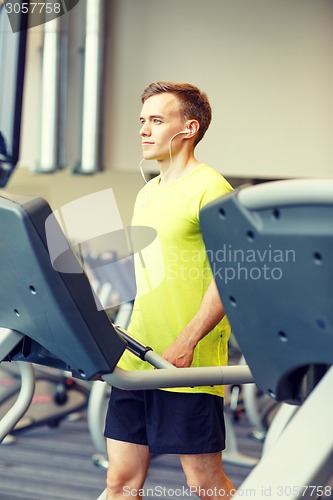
point(286, 337)
point(276, 233)
point(270, 248)
point(53, 315)
point(56, 397)
point(51, 318)
point(13, 30)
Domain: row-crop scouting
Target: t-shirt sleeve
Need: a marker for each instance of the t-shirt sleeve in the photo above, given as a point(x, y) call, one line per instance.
point(217, 187)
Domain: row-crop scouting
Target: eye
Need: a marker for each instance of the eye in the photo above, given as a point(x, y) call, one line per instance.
point(157, 121)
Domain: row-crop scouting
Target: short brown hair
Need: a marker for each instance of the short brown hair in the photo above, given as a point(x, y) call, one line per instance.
point(194, 103)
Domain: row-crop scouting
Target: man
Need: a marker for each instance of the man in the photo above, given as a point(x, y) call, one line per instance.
point(177, 310)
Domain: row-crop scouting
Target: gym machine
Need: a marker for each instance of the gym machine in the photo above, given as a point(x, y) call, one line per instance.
point(270, 248)
point(51, 318)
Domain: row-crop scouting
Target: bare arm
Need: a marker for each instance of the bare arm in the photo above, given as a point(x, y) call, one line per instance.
point(211, 311)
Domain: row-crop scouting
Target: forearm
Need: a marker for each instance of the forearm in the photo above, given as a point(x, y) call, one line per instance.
point(210, 313)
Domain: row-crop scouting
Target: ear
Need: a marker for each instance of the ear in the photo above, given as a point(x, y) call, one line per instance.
point(193, 127)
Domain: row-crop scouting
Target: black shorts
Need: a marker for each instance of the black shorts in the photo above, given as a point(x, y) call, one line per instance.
point(167, 422)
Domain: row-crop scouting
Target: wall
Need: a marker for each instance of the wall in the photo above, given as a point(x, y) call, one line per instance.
point(64, 187)
point(265, 64)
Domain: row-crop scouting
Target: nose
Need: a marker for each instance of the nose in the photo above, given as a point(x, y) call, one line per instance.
point(144, 130)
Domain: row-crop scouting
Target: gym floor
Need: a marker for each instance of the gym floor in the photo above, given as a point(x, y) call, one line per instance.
point(55, 463)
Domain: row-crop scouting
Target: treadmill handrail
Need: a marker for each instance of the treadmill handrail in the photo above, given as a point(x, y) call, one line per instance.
point(167, 375)
point(180, 377)
point(23, 401)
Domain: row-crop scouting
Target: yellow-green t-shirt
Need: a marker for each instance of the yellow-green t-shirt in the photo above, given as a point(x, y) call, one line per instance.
point(173, 273)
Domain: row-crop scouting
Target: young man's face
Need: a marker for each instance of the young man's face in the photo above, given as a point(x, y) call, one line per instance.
point(161, 120)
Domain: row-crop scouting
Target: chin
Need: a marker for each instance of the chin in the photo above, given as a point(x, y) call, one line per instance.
point(147, 156)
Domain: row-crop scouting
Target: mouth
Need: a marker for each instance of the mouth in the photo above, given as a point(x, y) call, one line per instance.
point(147, 143)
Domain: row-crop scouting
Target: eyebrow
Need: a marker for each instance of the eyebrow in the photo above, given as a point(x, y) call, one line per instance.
point(151, 117)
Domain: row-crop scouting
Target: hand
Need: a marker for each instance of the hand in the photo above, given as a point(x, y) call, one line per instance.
point(179, 353)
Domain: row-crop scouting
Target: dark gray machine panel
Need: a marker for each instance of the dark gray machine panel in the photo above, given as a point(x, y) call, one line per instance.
point(271, 251)
point(56, 312)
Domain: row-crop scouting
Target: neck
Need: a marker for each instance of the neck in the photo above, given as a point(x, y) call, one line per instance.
point(176, 167)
